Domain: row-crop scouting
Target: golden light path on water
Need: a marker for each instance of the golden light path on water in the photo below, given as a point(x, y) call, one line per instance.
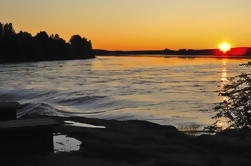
point(224, 78)
point(222, 123)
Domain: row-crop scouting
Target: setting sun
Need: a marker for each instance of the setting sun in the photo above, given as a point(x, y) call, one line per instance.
point(224, 47)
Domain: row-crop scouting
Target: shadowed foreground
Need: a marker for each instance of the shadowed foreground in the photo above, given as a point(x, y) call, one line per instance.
point(143, 143)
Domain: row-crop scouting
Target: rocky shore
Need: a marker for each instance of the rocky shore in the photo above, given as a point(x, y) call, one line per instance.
point(143, 143)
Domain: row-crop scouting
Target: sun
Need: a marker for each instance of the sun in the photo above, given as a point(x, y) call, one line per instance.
point(225, 47)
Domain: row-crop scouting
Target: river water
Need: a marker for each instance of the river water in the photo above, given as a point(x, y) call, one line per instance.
point(169, 91)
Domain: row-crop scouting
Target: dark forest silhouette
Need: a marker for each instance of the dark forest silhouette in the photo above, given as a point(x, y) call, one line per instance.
point(22, 46)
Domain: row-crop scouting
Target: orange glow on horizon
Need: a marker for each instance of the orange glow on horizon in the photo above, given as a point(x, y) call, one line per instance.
point(139, 25)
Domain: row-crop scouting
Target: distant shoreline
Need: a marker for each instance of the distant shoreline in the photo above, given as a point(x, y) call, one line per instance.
point(238, 52)
point(177, 56)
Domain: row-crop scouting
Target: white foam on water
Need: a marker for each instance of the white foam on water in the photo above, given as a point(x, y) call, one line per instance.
point(77, 124)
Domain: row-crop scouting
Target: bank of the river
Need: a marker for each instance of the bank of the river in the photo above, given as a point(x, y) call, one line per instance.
point(143, 143)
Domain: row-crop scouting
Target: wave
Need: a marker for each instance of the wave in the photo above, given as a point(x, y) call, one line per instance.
point(81, 100)
point(11, 94)
point(39, 109)
point(52, 103)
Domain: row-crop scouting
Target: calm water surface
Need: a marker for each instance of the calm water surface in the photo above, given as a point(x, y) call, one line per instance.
point(176, 91)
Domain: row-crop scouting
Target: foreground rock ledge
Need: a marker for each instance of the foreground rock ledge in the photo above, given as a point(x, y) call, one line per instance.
point(143, 143)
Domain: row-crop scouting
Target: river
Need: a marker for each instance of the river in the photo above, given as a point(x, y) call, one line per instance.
point(169, 91)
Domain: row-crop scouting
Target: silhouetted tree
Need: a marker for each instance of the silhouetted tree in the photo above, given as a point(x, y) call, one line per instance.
point(24, 35)
point(24, 47)
point(1, 29)
point(236, 108)
point(80, 45)
point(8, 29)
point(55, 37)
point(76, 41)
point(42, 35)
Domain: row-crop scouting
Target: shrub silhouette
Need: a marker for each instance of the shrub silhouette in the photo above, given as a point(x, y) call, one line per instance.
point(22, 46)
point(236, 108)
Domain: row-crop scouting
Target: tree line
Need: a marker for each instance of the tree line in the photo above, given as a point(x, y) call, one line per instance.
point(22, 46)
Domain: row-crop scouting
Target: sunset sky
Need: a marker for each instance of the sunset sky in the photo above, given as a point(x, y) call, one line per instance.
point(136, 24)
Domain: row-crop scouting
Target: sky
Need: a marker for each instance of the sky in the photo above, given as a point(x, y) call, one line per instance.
point(136, 24)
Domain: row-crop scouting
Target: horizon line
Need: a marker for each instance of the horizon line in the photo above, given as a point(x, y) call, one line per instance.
point(169, 49)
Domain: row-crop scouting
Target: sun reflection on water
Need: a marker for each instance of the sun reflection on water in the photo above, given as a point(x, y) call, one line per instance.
point(222, 123)
point(224, 75)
